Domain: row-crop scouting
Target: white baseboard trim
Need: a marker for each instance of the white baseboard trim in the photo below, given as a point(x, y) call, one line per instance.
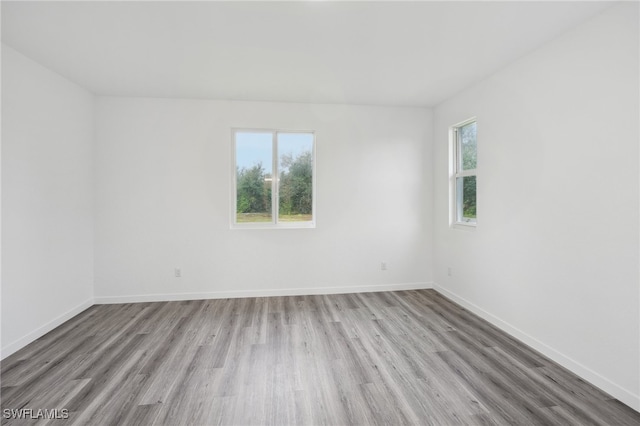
point(234, 294)
point(625, 396)
point(44, 329)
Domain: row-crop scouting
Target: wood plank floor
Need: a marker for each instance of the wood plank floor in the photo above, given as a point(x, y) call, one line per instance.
point(409, 357)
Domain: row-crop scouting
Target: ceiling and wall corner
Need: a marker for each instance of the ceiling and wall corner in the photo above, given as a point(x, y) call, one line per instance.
point(373, 53)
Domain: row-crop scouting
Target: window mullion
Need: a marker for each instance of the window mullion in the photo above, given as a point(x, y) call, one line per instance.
point(466, 173)
point(274, 179)
point(458, 151)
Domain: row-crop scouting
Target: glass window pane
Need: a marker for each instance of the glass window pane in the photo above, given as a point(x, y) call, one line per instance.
point(466, 199)
point(295, 185)
point(468, 147)
point(254, 168)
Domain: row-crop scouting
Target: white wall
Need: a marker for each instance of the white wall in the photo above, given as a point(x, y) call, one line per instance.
point(47, 225)
point(554, 259)
point(163, 170)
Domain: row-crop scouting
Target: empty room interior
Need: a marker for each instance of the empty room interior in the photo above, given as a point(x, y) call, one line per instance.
point(320, 213)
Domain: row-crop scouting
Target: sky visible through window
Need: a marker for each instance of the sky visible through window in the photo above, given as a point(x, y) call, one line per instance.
point(254, 147)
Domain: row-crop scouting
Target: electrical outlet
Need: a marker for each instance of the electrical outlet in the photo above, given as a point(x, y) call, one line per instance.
point(178, 272)
point(383, 266)
point(449, 271)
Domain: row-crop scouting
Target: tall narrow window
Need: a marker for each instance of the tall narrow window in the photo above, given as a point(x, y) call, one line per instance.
point(464, 177)
point(273, 183)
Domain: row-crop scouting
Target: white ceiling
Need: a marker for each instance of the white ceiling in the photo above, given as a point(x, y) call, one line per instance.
point(380, 53)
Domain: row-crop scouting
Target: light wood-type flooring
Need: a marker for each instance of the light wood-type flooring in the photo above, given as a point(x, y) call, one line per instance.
point(391, 358)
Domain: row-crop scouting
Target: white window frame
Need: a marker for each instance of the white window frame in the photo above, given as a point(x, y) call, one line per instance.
point(455, 172)
point(275, 202)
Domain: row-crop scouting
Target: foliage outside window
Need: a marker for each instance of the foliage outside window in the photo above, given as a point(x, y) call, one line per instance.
point(464, 176)
point(274, 179)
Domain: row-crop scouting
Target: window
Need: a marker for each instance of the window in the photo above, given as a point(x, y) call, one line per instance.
point(464, 161)
point(274, 179)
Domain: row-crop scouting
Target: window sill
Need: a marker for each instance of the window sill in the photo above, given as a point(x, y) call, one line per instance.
point(300, 225)
point(464, 226)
